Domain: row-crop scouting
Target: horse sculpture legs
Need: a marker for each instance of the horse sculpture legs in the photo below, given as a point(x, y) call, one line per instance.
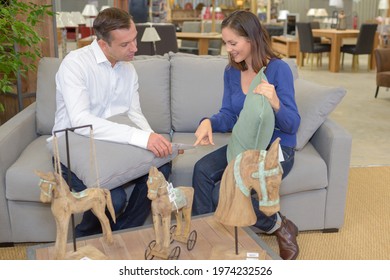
point(183, 217)
point(161, 225)
point(62, 224)
point(62, 219)
point(99, 210)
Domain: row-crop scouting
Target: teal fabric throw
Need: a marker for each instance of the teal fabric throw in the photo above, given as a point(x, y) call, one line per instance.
point(255, 125)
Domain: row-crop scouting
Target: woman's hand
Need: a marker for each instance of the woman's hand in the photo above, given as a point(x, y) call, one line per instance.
point(204, 133)
point(268, 90)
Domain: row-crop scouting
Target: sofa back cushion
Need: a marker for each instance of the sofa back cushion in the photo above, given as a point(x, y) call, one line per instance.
point(154, 90)
point(196, 89)
point(46, 94)
point(293, 67)
point(153, 74)
point(315, 103)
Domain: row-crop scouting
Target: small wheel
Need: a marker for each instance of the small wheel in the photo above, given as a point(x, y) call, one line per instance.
point(175, 253)
point(148, 251)
point(172, 231)
point(192, 240)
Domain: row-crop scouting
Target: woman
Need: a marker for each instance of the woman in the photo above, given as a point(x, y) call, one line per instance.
point(249, 49)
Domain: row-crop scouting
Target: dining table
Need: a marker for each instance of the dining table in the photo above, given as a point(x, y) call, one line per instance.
point(336, 39)
point(203, 39)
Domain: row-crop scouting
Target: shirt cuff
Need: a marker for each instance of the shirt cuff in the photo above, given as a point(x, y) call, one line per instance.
point(140, 138)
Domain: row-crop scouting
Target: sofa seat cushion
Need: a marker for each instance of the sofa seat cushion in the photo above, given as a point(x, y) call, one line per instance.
point(308, 173)
point(183, 165)
point(21, 181)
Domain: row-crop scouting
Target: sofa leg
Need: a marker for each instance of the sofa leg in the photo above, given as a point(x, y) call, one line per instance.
point(7, 244)
point(330, 230)
point(376, 93)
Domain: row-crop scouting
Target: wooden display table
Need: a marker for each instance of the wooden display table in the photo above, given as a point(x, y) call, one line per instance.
point(202, 38)
point(287, 46)
point(214, 241)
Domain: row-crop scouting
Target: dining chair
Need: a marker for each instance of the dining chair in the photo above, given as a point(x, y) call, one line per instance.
point(189, 46)
point(382, 56)
point(364, 45)
point(316, 25)
point(307, 44)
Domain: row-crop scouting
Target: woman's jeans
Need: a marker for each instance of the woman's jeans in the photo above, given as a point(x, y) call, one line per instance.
point(208, 172)
point(132, 215)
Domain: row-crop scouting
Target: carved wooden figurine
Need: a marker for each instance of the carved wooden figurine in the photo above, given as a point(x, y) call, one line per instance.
point(251, 170)
point(166, 199)
point(54, 189)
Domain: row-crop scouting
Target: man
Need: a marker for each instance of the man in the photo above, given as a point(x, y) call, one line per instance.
point(94, 83)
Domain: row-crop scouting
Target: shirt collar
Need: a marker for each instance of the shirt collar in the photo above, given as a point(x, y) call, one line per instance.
point(97, 51)
point(99, 54)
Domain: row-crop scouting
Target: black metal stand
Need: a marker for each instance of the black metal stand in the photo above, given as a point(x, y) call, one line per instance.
point(66, 130)
point(236, 238)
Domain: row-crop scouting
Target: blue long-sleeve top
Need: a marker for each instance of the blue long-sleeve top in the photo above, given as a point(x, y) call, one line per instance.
point(287, 119)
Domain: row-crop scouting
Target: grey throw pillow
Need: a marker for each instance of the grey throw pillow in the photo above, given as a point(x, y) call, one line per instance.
point(117, 163)
point(315, 102)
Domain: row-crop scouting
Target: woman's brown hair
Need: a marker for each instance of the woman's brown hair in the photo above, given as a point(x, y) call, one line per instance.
point(246, 24)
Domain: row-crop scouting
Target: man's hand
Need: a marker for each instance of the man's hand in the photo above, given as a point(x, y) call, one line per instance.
point(204, 133)
point(160, 146)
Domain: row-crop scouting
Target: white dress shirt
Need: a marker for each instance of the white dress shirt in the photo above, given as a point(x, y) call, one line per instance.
point(90, 90)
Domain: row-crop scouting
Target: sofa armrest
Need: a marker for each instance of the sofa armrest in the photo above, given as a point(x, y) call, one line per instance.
point(15, 135)
point(334, 144)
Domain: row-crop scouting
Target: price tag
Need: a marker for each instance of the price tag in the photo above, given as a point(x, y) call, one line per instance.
point(171, 192)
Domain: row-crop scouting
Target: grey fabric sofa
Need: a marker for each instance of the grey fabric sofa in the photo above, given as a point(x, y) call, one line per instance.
point(176, 91)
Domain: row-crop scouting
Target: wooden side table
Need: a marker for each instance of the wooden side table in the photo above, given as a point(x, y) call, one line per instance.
point(286, 46)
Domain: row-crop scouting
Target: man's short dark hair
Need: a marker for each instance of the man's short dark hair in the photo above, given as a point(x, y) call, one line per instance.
point(108, 20)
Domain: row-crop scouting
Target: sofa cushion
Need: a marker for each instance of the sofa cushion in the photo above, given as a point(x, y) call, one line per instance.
point(154, 90)
point(117, 163)
point(149, 68)
point(308, 173)
point(46, 94)
point(256, 123)
point(21, 182)
point(315, 102)
point(196, 89)
point(183, 165)
point(293, 67)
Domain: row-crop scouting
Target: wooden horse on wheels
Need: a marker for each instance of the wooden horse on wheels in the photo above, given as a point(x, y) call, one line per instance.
point(166, 199)
point(54, 189)
point(251, 170)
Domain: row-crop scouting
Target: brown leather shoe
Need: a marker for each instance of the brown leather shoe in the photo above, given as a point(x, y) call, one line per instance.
point(286, 236)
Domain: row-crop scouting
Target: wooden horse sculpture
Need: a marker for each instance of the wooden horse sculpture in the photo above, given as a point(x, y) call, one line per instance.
point(54, 189)
point(251, 170)
point(161, 194)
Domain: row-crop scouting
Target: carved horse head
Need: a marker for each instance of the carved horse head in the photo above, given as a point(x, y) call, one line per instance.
point(266, 179)
point(47, 184)
point(255, 170)
point(155, 182)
